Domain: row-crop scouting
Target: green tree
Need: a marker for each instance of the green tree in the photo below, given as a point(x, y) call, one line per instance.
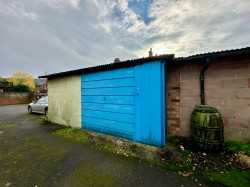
point(23, 78)
point(2, 79)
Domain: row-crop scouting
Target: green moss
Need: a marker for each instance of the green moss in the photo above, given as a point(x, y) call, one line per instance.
point(239, 146)
point(86, 175)
point(110, 147)
point(27, 161)
point(78, 135)
point(232, 177)
point(74, 134)
point(5, 126)
point(30, 116)
point(186, 161)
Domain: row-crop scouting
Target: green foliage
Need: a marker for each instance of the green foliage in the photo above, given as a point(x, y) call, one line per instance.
point(44, 120)
point(185, 153)
point(2, 79)
point(21, 88)
point(239, 147)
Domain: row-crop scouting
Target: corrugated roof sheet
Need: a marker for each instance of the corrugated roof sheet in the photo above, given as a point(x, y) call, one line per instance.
point(224, 53)
point(122, 64)
point(170, 58)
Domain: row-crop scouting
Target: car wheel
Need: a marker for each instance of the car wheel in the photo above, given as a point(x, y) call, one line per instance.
point(46, 111)
point(29, 110)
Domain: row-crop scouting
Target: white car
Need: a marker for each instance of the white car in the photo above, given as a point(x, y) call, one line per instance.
point(40, 106)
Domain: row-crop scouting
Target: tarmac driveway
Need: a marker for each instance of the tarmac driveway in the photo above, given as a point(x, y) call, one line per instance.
point(31, 155)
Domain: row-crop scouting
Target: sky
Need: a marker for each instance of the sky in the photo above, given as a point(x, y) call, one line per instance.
point(49, 36)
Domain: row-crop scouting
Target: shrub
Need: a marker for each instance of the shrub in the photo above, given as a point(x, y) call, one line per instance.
point(21, 88)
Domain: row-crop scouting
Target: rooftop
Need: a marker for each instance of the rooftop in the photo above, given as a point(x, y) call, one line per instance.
point(225, 53)
point(40, 82)
point(122, 64)
point(170, 58)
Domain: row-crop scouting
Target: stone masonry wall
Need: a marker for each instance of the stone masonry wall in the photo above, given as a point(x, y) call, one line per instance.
point(14, 98)
point(173, 100)
point(227, 88)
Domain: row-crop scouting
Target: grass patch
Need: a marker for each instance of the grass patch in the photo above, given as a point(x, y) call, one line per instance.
point(232, 177)
point(238, 147)
point(74, 134)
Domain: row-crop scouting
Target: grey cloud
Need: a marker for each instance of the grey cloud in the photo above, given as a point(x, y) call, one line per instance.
point(56, 41)
point(56, 35)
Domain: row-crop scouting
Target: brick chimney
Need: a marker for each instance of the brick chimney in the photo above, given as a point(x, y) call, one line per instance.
point(117, 60)
point(150, 53)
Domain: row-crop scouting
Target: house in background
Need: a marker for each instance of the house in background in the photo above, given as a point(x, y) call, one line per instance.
point(41, 87)
point(6, 86)
point(146, 99)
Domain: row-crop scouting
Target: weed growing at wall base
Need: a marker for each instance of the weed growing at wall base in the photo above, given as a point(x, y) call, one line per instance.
point(44, 120)
point(74, 134)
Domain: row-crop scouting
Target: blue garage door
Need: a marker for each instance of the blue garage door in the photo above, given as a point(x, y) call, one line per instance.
point(127, 102)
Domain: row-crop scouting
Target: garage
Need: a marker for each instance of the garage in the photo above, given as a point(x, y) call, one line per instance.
point(124, 99)
point(128, 102)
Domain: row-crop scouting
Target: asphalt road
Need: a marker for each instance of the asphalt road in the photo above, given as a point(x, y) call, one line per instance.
point(32, 155)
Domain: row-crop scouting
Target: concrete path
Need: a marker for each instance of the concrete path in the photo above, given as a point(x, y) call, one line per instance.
point(31, 155)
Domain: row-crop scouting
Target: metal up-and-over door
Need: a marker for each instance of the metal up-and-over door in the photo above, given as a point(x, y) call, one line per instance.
point(127, 102)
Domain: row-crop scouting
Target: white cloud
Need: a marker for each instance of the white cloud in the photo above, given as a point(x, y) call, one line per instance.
point(191, 27)
point(61, 5)
point(59, 35)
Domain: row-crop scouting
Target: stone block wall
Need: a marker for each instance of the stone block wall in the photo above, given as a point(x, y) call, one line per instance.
point(173, 100)
point(15, 98)
point(227, 88)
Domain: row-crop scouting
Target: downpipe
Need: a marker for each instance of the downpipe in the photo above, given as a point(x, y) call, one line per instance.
point(202, 77)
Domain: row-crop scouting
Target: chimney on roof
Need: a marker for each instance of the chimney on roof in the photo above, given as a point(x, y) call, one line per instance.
point(150, 53)
point(117, 60)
